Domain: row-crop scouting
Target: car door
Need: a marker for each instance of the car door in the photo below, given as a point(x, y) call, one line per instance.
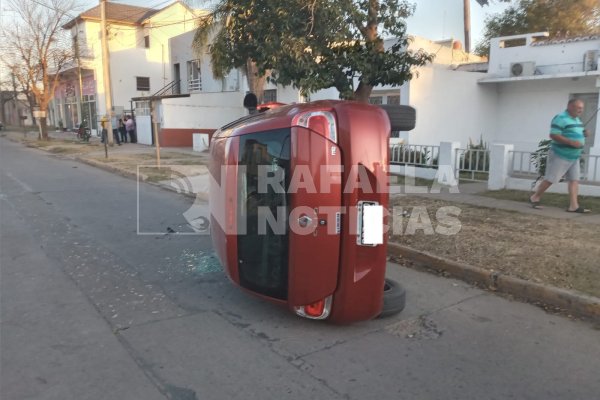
point(315, 191)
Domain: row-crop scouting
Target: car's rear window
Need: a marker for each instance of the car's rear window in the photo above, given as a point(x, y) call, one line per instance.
point(263, 249)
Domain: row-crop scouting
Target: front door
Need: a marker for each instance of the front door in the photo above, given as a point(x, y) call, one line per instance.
point(589, 118)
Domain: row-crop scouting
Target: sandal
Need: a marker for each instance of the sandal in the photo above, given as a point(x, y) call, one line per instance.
point(535, 204)
point(580, 210)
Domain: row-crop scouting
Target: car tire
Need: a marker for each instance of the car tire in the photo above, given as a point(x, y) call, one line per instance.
point(402, 118)
point(394, 298)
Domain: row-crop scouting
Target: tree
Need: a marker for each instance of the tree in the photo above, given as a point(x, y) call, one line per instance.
point(40, 51)
point(314, 45)
point(558, 17)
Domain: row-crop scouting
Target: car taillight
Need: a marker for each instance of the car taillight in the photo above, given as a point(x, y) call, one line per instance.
point(317, 310)
point(322, 122)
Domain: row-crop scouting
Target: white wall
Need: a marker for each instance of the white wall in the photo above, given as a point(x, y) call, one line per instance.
point(181, 52)
point(451, 106)
point(202, 110)
point(552, 58)
point(525, 108)
point(288, 95)
point(130, 59)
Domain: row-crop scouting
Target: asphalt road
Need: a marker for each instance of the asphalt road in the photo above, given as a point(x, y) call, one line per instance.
point(97, 306)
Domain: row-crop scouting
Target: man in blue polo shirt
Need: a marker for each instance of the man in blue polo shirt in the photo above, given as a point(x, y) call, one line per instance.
point(568, 138)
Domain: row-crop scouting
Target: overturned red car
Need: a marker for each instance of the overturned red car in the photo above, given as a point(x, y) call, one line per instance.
point(299, 208)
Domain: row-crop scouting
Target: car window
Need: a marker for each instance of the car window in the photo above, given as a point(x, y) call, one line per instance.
point(263, 249)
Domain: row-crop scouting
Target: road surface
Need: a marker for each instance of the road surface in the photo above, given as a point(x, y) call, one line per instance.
point(97, 306)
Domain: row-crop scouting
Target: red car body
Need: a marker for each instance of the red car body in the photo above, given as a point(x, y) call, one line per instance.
point(322, 169)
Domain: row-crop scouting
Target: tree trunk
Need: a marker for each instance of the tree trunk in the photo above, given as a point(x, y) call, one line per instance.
point(256, 83)
point(31, 102)
point(44, 128)
point(363, 92)
point(2, 111)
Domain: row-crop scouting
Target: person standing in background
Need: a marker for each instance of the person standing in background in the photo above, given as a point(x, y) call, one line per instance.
point(130, 127)
point(122, 131)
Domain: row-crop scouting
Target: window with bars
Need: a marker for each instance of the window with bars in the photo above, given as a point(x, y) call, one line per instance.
point(142, 83)
point(194, 75)
point(393, 100)
point(270, 95)
point(376, 100)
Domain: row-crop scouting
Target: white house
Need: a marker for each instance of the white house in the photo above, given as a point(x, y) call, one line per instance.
point(213, 103)
point(138, 42)
point(458, 97)
point(533, 78)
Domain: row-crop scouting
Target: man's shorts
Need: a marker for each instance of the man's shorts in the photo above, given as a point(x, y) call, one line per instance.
point(557, 167)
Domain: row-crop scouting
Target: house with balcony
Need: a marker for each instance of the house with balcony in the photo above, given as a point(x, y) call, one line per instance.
point(139, 59)
point(533, 77)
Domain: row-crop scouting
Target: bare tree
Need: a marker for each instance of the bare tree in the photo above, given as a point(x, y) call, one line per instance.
point(40, 49)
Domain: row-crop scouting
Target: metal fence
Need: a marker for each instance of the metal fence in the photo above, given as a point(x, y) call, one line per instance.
point(195, 85)
point(415, 154)
point(524, 166)
point(472, 164)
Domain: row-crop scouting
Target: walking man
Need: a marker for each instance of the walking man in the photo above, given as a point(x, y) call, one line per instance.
point(568, 138)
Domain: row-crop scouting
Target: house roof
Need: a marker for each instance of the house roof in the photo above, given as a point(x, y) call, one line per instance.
point(115, 13)
point(565, 40)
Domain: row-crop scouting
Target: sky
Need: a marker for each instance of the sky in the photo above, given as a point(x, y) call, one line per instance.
point(433, 19)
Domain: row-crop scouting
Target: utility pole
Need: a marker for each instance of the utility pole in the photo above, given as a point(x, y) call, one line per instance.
point(467, 24)
point(78, 57)
point(106, 69)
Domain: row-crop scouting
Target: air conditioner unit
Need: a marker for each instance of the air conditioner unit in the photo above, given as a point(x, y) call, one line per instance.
point(525, 68)
point(590, 60)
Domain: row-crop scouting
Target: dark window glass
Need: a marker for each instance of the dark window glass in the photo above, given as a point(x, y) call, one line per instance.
point(376, 100)
point(147, 41)
point(393, 100)
point(263, 255)
point(270, 95)
point(143, 83)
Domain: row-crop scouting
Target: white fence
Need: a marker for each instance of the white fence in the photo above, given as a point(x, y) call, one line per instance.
point(500, 166)
point(525, 165)
point(414, 154)
point(472, 164)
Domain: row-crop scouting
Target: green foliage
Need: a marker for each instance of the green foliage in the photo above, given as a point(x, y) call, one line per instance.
point(313, 44)
point(558, 17)
point(538, 158)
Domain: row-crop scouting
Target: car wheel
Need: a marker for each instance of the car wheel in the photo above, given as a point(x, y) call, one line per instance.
point(402, 118)
point(394, 298)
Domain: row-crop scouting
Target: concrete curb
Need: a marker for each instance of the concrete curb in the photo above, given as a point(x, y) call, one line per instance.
point(576, 303)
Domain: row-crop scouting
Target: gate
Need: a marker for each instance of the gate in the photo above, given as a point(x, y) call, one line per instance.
point(472, 164)
point(143, 122)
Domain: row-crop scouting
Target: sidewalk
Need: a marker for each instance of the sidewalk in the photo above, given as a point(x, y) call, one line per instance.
point(470, 193)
